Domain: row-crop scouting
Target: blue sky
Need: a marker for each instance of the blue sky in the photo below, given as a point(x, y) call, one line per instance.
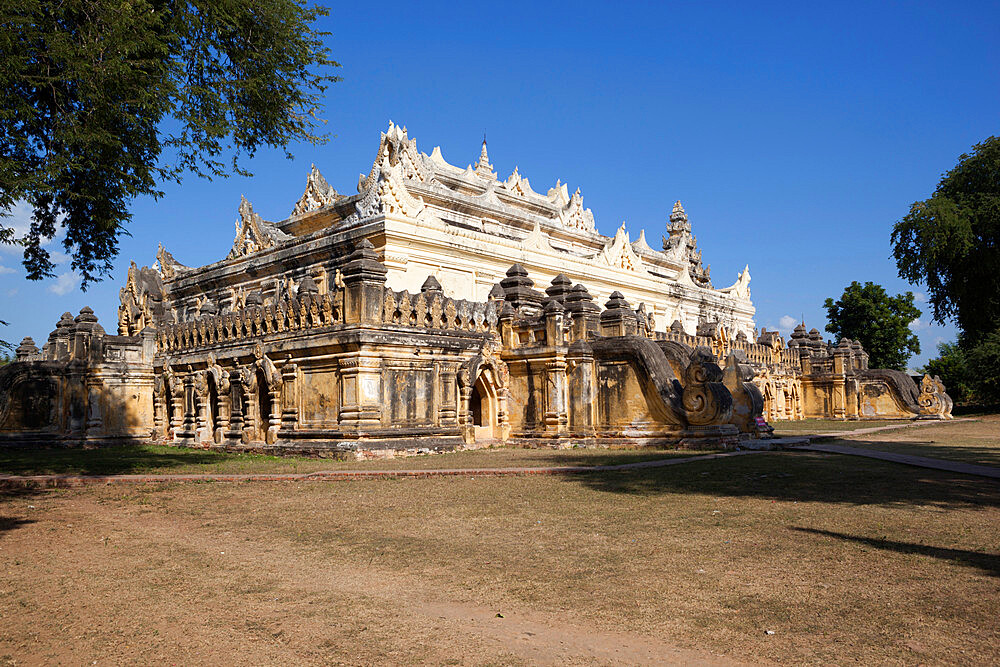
point(795, 134)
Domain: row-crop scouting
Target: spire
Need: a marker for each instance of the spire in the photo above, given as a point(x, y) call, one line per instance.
point(483, 167)
point(678, 218)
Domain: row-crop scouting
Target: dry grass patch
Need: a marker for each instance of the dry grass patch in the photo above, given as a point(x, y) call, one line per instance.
point(844, 559)
point(814, 426)
point(157, 459)
point(975, 441)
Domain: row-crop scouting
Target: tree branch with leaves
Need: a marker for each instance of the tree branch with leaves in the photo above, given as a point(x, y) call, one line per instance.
point(101, 100)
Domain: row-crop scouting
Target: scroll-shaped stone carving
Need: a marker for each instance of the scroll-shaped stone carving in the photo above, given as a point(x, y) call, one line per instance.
point(705, 398)
point(933, 400)
point(271, 373)
point(748, 401)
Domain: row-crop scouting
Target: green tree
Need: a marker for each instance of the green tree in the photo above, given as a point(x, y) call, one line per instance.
point(952, 367)
point(983, 363)
point(881, 322)
point(951, 243)
point(102, 99)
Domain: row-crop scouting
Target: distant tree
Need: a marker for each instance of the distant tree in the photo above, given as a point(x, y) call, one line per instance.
point(93, 93)
point(951, 244)
point(952, 367)
point(983, 364)
point(881, 322)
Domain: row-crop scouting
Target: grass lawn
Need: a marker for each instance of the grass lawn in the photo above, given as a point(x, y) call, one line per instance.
point(968, 441)
point(153, 459)
point(845, 560)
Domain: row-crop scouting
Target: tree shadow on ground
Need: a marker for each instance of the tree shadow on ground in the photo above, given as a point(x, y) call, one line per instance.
point(12, 495)
point(989, 563)
point(10, 523)
point(802, 477)
point(109, 460)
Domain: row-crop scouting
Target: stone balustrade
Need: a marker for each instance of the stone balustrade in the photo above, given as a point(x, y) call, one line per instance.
point(432, 310)
point(311, 311)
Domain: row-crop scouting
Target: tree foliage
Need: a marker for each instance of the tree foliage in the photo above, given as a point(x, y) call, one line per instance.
point(951, 243)
point(971, 373)
point(952, 367)
point(881, 322)
point(983, 363)
point(102, 99)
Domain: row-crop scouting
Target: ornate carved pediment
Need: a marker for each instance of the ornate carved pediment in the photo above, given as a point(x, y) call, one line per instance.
point(559, 195)
point(167, 265)
point(385, 193)
point(574, 215)
point(518, 185)
point(384, 189)
point(318, 193)
point(536, 239)
point(619, 254)
point(141, 300)
point(396, 150)
point(253, 233)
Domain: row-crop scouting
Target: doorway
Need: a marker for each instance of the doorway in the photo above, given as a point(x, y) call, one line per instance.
point(483, 407)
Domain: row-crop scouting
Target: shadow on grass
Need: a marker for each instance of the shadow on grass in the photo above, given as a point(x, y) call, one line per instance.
point(110, 460)
point(989, 563)
point(930, 448)
point(803, 477)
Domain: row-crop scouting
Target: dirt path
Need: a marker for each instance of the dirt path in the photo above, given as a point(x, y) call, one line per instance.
point(137, 586)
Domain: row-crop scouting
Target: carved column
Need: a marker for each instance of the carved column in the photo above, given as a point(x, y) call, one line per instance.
point(177, 407)
point(95, 422)
point(289, 395)
point(189, 423)
point(556, 417)
point(273, 419)
point(361, 392)
point(159, 409)
point(447, 410)
point(582, 389)
point(203, 436)
point(464, 416)
point(237, 422)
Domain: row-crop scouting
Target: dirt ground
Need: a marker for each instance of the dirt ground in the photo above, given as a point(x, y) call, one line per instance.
point(843, 559)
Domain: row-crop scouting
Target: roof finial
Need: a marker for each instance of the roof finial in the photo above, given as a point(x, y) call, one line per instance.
point(483, 167)
point(678, 220)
